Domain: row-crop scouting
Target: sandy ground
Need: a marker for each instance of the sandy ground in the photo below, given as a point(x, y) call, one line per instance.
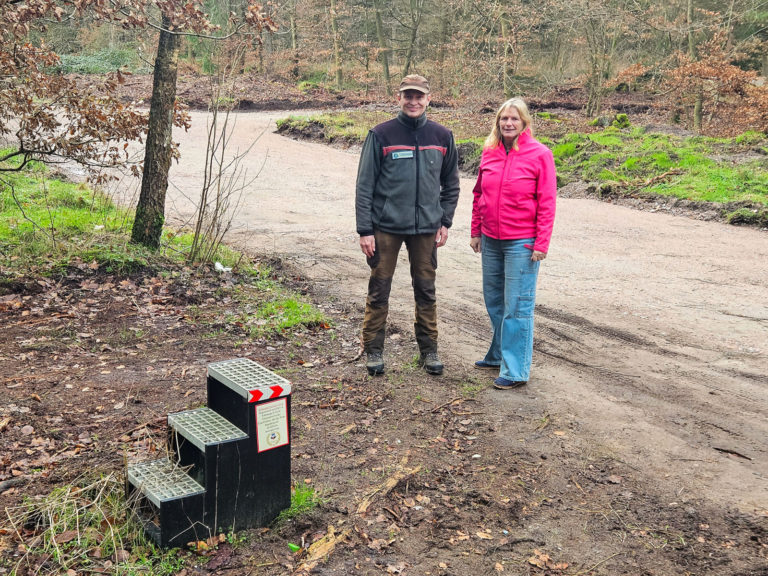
point(651, 330)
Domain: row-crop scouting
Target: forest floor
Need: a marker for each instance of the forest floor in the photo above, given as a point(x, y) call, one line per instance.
point(638, 447)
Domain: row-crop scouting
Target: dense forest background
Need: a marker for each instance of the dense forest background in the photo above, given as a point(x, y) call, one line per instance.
point(702, 64)
point(708, 57)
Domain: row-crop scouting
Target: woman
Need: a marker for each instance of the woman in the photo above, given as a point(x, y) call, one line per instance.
point(512, 216)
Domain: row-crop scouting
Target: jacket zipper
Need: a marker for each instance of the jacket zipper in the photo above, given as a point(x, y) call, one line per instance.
point(416, 207)
point(498, 201)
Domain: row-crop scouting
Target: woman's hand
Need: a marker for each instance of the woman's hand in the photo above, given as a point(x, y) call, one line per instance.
point(476, 244)
point(538, 256)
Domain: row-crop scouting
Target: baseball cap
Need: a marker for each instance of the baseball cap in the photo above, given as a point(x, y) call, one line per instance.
point(414, 82)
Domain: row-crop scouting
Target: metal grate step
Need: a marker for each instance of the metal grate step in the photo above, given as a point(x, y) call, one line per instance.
point(204, 427)
point(161, 481)
point(245, 376)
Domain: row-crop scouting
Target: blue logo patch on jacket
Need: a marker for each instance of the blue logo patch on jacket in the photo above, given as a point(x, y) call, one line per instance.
point(402, 154)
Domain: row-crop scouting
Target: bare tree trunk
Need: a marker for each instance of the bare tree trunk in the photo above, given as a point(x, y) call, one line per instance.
point(336, 45)
point(594, 86)
point(417, 9)
point(383, 47)
point(260, 52)
point(150, 210)
point(596, 43)
point(444, 28)
point(698, 104)
point(294, 44)
point(506, 81)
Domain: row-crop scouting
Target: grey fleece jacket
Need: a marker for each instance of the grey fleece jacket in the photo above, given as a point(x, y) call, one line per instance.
point(408, 178)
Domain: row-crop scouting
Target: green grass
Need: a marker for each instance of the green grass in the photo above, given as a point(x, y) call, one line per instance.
point(304, 499)
point(47, 221)
point(346, 127)
point(80, 526)
point(548, 116)
point(717, 170)
point(48, 224)
point(102, 62)
point(352, 126)
point(288, 311)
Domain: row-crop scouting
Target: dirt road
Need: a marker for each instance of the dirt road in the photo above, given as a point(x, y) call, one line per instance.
point(651, 330)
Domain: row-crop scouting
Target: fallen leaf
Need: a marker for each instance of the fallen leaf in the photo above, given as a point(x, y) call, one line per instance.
point(498, 567)
point(378, 544)
point(198, 546)
point(542, 560)
point(121, 556)
point(484, 536)
point(539, 559)
point(65, 537)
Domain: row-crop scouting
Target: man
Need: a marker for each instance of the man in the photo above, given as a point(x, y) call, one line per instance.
point(407, 190)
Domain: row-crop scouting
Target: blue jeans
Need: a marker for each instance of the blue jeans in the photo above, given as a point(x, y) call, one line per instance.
point(509, 290)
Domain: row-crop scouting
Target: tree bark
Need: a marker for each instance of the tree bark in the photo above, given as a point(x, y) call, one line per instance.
point(417, 10)
point(506, 80)
point(383, 47)
point(294, 44)
point(698, 105)
point(150, 211)
point(441, 51)
point(336, 45)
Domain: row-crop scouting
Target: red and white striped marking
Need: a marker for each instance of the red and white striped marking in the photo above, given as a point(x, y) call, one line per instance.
point(268, 392)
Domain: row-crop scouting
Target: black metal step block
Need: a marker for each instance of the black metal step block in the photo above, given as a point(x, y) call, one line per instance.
point(258, 402)
point(169, 503)
point(211, 448)
point(234, 385)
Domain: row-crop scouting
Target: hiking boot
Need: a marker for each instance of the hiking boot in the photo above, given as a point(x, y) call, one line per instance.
point(431, 363)
point(375, 363)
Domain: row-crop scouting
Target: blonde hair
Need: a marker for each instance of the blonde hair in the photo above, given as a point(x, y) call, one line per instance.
point(494, 138)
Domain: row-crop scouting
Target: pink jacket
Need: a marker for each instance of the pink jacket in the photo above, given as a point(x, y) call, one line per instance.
point(515, 193)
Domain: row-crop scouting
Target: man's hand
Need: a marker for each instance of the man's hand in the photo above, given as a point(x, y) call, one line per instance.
point(538, 256)
point(476, 244)
point(442, 236)
point(368, 245)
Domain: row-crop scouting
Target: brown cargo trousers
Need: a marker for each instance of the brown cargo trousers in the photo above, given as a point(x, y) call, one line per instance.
point(422, 255)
